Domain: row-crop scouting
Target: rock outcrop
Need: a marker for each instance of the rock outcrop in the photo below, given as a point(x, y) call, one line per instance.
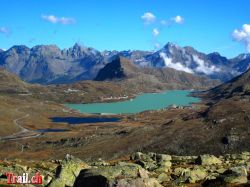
point(144, 170)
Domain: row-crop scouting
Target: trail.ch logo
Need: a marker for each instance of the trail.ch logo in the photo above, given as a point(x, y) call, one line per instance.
point(23, 179)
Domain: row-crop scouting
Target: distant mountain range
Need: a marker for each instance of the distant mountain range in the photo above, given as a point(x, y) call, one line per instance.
point(47, 64)
point(188, 59)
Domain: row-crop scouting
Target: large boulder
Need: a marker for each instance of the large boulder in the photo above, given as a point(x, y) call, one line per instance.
point(124, 174)
point(67, 171)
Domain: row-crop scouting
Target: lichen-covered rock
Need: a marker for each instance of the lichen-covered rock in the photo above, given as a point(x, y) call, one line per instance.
point(147, 165)
point(137, 183)
point(143, 173)
point(163, 157)
point(143, 157)
point(235, 175)
point(237, 157)
point(100, 162)
point(183, 158)
point(147, 161)
point(152, 161)
point(18, 169)
point(68, 170)
point(152, 182)
point(221, 170)
point(163, 166)
point(163, 177)
point(124, 174)
point(179, 171)
point(136, 156)
point(196, 175)
point(191, 175)
point(208, 160)
point(143, 170)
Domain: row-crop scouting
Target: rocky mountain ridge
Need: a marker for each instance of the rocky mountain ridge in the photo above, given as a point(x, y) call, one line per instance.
point(47, 64)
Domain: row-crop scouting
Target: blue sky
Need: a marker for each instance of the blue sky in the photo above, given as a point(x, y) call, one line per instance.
point(207, 25)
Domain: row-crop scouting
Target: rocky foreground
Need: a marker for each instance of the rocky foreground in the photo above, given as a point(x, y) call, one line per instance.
point(142, 170)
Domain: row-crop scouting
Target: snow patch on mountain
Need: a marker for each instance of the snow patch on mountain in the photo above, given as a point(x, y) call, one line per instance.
point(202, 67)
point(178, 66)
point(248, 67)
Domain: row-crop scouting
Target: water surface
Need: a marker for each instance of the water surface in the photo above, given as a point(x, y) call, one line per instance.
point(80, 120)
point(143, 102)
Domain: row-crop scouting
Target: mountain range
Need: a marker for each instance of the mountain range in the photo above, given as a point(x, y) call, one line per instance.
point(124, 70)
point(188, 59)
point(47, 64)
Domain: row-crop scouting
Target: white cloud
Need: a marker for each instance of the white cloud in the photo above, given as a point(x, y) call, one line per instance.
point(148, 17)
point(61, 20)
point(178, 66)
point(178, 19)
point(4, 30)
point(156, 32)
point(243, 35)
point(202, 67)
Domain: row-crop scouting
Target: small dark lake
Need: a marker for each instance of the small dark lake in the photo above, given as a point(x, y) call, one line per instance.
point(80, 120)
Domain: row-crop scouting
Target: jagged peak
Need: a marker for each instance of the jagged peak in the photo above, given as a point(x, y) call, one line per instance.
point(171, 45)
point(79, 48)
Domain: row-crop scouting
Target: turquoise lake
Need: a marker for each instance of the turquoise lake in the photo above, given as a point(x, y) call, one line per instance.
point(143, 102)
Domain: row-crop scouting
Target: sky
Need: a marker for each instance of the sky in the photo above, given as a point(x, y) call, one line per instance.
point(207, 25)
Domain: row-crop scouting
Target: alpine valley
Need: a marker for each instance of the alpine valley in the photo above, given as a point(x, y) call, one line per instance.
point(205, 143)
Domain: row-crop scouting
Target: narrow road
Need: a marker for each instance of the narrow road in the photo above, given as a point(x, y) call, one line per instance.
point(15, 121)
point(23, 133)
